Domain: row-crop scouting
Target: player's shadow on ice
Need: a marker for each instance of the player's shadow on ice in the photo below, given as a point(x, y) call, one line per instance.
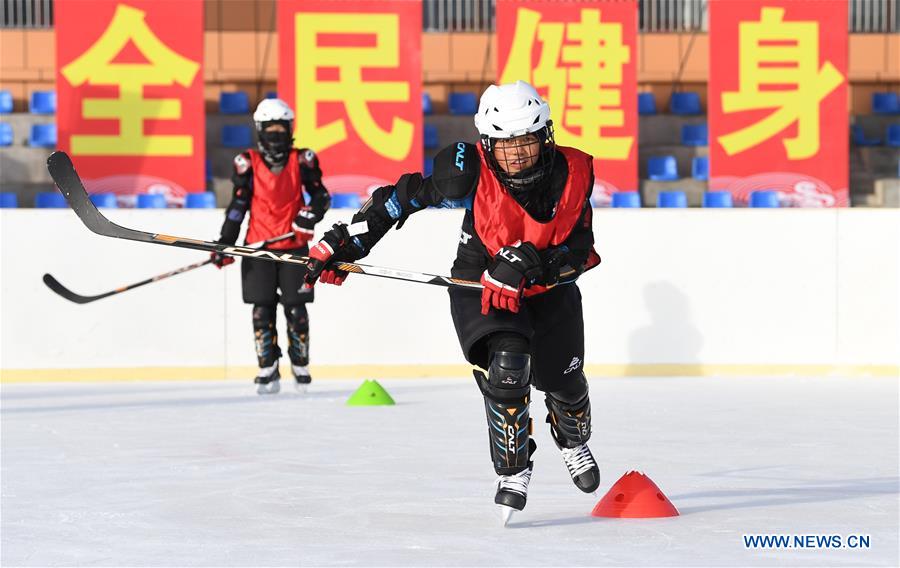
point(807, 492)
point(671, 336)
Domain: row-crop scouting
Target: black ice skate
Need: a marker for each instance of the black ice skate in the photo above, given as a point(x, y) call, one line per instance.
point(512, 490)
point(582, 467)
point(302, 377)
point(570, 426)
point(268, 380)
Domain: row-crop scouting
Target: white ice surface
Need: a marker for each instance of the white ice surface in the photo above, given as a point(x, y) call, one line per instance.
point(210, 474)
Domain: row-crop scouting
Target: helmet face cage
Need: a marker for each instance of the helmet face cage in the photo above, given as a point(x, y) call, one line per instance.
point(275, 145)
point(521, 162)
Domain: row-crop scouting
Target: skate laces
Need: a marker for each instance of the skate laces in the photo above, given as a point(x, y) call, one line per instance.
point(578, 460)
point(517, 483)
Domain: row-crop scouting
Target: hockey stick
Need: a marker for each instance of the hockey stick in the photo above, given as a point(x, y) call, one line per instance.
point(63, 173)
point(57, 287)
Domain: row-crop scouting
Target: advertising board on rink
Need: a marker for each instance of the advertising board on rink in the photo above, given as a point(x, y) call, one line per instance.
point(352, 73)
point(130, 95)
point(778, 100)
point(582, 58)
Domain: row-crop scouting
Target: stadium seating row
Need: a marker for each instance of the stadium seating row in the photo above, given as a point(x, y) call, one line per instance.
point(891, 138)
point(675, 199)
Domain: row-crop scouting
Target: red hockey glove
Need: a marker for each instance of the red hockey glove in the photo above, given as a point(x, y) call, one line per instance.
point(335, 243)
point(513, 269)
point(305, 223)
point(221, 260)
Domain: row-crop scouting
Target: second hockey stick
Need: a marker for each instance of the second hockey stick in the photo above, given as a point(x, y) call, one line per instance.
point(57, 287)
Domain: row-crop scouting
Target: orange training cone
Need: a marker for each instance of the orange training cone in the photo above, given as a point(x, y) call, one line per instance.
point(634, 496)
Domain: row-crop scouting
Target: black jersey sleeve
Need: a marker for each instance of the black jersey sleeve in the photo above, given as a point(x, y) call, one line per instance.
point(242, 178)
point(311, 176)
point(452, 184)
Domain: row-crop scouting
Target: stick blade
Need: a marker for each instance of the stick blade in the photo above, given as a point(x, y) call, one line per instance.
point(57, 287)
point(66, 178)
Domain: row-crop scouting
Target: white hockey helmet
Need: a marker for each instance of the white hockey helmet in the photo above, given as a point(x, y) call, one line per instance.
point(273, 110)
point(510, 110)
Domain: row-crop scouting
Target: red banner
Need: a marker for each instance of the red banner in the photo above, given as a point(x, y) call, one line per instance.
point(582, 59)
point(352, 73)
point(130, 94)
point(778, 100)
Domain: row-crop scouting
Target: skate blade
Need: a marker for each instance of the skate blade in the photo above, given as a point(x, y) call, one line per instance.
point(302, 388)
point(269, 388)
point(506, 514)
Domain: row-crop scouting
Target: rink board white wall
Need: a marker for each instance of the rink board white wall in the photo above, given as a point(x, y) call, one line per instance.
point(688, 287)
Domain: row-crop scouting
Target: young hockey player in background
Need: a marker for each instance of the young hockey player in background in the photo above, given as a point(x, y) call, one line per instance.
point(527, 236)
point(269, 183)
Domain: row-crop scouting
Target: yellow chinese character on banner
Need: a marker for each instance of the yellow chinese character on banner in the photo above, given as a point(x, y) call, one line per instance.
point(131, 109)
point(586, 92)
point(775, 54)
point(350, 89)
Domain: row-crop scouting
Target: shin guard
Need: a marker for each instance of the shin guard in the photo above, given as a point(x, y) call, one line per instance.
point(265, 335)
point(570, 423)
point(298, 334)
point(507, 392)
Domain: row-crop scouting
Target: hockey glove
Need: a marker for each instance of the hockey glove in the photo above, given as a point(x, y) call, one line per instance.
point(513, 269)
point(305, 223)
point(553, 259)
point(221, 260)
point(335, 244)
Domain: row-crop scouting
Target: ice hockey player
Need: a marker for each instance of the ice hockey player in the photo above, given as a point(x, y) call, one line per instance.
point(269, 183)
point(527, 236)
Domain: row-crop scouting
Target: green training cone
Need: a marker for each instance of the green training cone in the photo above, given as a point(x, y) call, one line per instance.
point(370, 393)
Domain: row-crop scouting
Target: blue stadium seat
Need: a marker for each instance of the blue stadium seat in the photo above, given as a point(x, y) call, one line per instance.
point(463, 103)
point(8, 200)
point(718, 199)
point(860, 138)
point(427, 107)
point(885, 103)
point(50, 200)
point(646, 103)
point(234, 103)
point(431, 137)
point(42, 102)
point(765, 198)
point(271, 95)
point(694, 135)
point(42, 136)
point(428, 167)
point(662, 168)
point(626, 199)
point(237, 136)
point(671, 199)
point(151, 201)
point(687, 103)
point(200, 200)
point(6, 102)
point(345, 201)
point(893, 135)
point(700, 168)
point(107, 200)
point(6, 134)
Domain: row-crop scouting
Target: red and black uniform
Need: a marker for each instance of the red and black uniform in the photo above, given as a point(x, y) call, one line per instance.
point(274, 196)
point(556, 218)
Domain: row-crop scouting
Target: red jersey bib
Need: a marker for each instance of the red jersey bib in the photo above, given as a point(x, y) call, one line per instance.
point(277, 198)
point(500, 220)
